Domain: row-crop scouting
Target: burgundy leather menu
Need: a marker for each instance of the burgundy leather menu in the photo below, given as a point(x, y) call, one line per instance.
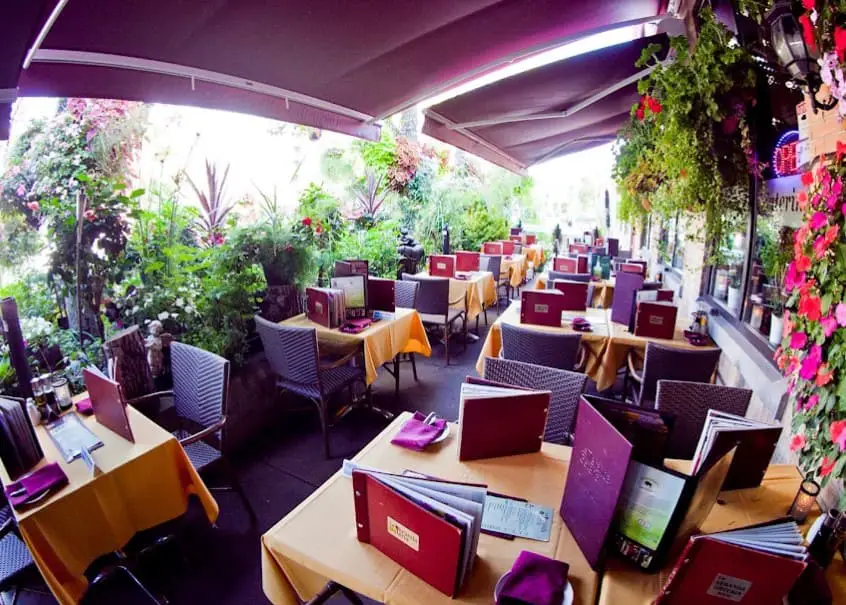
point(358, 267)
point(613, 247)
point(632, 268)
point(625, 293)
point(419, 540)
point(492, 248)
point(516, 231)
point(108, 403)
point(665, 295)
point(467, 261)
point(656, 320)
point(598, 467)
point(575, 294)
point(500, 420)
point(578, 248)
point(711, 571)
point(541, 307)
point(380, 294)
point(582, 263)
point(531, 238)
point(507, 247)
point(317, 306)
point(442, 265)
point(565, 264)
point(517, 239)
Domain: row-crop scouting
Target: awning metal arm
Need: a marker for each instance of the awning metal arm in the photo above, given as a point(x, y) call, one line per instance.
point(593, 99)
point(48, 25)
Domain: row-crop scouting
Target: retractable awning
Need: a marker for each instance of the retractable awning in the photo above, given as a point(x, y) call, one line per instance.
point(332, 64)
point(550, 111)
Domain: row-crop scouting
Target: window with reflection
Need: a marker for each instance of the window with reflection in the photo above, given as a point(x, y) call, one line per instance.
point(777, 217)
point(729, 260)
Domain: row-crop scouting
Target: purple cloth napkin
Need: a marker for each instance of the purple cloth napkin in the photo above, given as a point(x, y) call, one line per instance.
point(354, 326)
point(416, 434)
point(31, 486)
point(697, 340)
point(535, 580)
point(83, 406)
point(580, 324)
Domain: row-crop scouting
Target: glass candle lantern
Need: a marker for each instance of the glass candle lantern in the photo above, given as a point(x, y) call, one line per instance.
point(805, 499)
point(62, 391)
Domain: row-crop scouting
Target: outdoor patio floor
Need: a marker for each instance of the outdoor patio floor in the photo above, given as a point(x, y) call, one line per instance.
point(222, 565)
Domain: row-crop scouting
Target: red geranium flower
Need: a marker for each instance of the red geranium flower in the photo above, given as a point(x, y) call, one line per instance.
point(653, 104)
point(808, 32)
point(640, 113)
point(826, 466)
point(811, 307)
point(831, 234)
point(807, 179)
point(808, 4)
point(802, 198)
point(797, 442)
point(824, 375)
point(803, 263)
point(841, 150)
point(307, 221)
point(840, 42)
point(837, 432)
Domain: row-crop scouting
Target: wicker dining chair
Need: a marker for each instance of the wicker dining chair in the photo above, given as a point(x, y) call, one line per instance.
point(294, 357)
point(15, 559)
point(689, 402)
point(552, 350)
point(566, 388)
point(662, 362)
point(405, 296)
point(200, 403)
point(493, 263)
point(436, 309)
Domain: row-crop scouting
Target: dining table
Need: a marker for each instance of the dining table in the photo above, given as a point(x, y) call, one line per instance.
point(381, 341)
point(139, 485)
point(515, 266)
point(475, 292)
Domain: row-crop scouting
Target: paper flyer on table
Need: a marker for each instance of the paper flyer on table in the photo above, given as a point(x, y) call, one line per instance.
point(517, 518)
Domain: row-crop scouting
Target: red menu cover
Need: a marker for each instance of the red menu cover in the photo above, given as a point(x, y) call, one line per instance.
point(424, 543)
point(358, 267)
point(108, 403)
point(665, 295)
point(492, 248)
point(582, 264)
point(565, 264)
point(517, 239)
point(317, 306)
point(507, 247)
point(467, 261)
point(632, 268)
point(575, 294)
point(381, 294)
point(656, 320)
point(541, 307)
point(531, 238)
point(442, 265)
point(578, 248)
point(500, 420)
point(711, 572)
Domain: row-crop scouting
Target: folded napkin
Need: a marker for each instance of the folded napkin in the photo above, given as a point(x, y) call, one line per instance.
point(83, 406)
point(415, 434)
point(35, 484)
point(534, 580)
point(354, 326)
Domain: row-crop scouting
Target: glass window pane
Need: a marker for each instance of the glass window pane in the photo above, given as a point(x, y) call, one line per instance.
point(778, 216)
point(727, 282)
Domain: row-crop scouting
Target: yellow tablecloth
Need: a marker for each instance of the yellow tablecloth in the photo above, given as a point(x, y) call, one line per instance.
point(594, 342)
point(535, 254)
point(515, 266)
point(143, 484)
point(622, 583)
point(475, 292)
point(381, 342)
point(621, 342)
point(316, 542)
point(603, 290)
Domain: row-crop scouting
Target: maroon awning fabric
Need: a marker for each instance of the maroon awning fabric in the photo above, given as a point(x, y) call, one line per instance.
point(19, 25)
point(367, 59)
point(552, 88)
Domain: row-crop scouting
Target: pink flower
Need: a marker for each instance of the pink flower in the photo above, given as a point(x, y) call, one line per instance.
point(837, 431)
point(21, 190)
point(818, 220)
point(820, 246)
point(797, 442)
point(89, 215)
point(840, 314)
point(813, 400)
point(831, 201)
point(34, 206)
point(798, 340)
point(826, 466)
point(793, 279)
point(829, 325)
point(811, 363)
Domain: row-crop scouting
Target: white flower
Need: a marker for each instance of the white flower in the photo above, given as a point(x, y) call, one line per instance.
point(179, 302)
point(174, 315)
point(163, 315)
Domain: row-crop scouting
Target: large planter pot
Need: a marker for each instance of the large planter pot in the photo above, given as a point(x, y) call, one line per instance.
point(733, 298)
point(776, 329)
point(281, 302)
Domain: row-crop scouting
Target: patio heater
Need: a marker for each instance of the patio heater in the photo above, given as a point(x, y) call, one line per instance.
point(794, 55)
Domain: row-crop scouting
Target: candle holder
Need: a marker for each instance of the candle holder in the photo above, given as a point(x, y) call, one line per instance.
point(804, 501)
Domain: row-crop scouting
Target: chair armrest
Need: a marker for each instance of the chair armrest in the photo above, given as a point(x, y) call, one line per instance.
point(7, 527)
point(157, 394)
point(206, 432)
point(338, 362)
point(581, 359)
point(633, 373)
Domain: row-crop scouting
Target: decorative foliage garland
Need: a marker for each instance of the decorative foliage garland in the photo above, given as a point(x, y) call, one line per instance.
point(813, 350)
point(687, 141)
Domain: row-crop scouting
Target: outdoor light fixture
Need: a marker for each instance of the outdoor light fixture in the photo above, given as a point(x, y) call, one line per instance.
point(793, 53)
